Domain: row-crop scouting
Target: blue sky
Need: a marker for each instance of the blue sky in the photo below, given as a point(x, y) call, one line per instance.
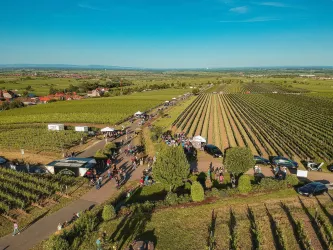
point(167, 33)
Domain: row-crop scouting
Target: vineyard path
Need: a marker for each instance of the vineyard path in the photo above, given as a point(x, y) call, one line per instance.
point(44, 227)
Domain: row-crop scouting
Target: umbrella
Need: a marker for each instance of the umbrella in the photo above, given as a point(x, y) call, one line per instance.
point(199, 138)
point(107, 129)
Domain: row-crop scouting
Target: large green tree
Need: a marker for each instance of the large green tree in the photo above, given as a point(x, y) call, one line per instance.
point(171, 167)
point(239, 160)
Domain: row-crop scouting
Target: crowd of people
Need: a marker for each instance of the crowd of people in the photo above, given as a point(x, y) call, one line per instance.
point(179, 139)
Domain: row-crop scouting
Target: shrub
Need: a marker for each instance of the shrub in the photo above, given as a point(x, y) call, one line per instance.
point(292, 180)
point(100, 154)
point(193, 178)
point(213, 193)
point(108, 213)
point(56, 242)
point(184, 198)
point(171, 198)
point(187, 186)
point(244, 184)
point(271, 184)
point(197, 192)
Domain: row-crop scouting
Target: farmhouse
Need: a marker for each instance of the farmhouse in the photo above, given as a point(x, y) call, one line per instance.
point(97, 92)
point(7, 94)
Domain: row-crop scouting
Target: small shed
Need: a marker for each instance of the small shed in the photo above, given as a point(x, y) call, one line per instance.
point(81, 128)
point(56, 127)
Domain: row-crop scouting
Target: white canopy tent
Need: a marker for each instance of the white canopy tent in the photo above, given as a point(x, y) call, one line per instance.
point(107, 129)
point(138, 113)
point(199, 138)
point(166, 101)
point(174, 98)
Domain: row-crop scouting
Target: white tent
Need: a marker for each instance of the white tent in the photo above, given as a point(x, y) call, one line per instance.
point(107, 129)
point(138, 113)
point(166, 101)
point(174, 98)
point(199, 138)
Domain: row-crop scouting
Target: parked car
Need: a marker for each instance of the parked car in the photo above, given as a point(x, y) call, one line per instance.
point(213, 150)
point(261, 160)
point(330, 167)
point(285, 162)
point(312, 188)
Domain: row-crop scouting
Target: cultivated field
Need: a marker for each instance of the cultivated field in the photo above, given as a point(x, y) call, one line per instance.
point(24, 197)
point(284, 123)
point(237, 223)
point(96, 110)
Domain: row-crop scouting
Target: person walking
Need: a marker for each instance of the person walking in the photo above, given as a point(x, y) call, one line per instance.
point(99, 244)
point(59, 227)
point(109, 174)
point(16, 230)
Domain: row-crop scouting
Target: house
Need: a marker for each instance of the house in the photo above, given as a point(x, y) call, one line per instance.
point(28, 101)
point(7, 94)
point(45, 99)
point(94, 93)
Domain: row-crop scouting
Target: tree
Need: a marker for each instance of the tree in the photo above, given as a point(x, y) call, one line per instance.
point(238, 160)
point(25, 93)
point(108, 213)
point(197, 192)
point(171, 167)
point(28, 87)
point(195, 91)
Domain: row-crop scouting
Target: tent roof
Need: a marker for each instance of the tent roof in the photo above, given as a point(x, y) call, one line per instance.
point(199, 138)
point(107, 129)
point(73, 162)
point(138, 113)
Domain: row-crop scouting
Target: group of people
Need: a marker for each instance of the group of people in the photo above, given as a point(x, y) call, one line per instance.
point(280, 172)
point(68, 154)
point(66, 223)
point(219, 174)
point(179, 139)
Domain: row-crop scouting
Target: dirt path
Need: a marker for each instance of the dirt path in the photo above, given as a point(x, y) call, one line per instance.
point(230, 135)
point(234, 128)
point(223, 132)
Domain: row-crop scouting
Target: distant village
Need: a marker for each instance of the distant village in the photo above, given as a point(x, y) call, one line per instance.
point(31, 99)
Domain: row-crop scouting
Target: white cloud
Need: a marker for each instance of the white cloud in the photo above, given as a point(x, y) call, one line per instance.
point(273, 4)
point(240, 10)
point(252, 20)
point(90, 7)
